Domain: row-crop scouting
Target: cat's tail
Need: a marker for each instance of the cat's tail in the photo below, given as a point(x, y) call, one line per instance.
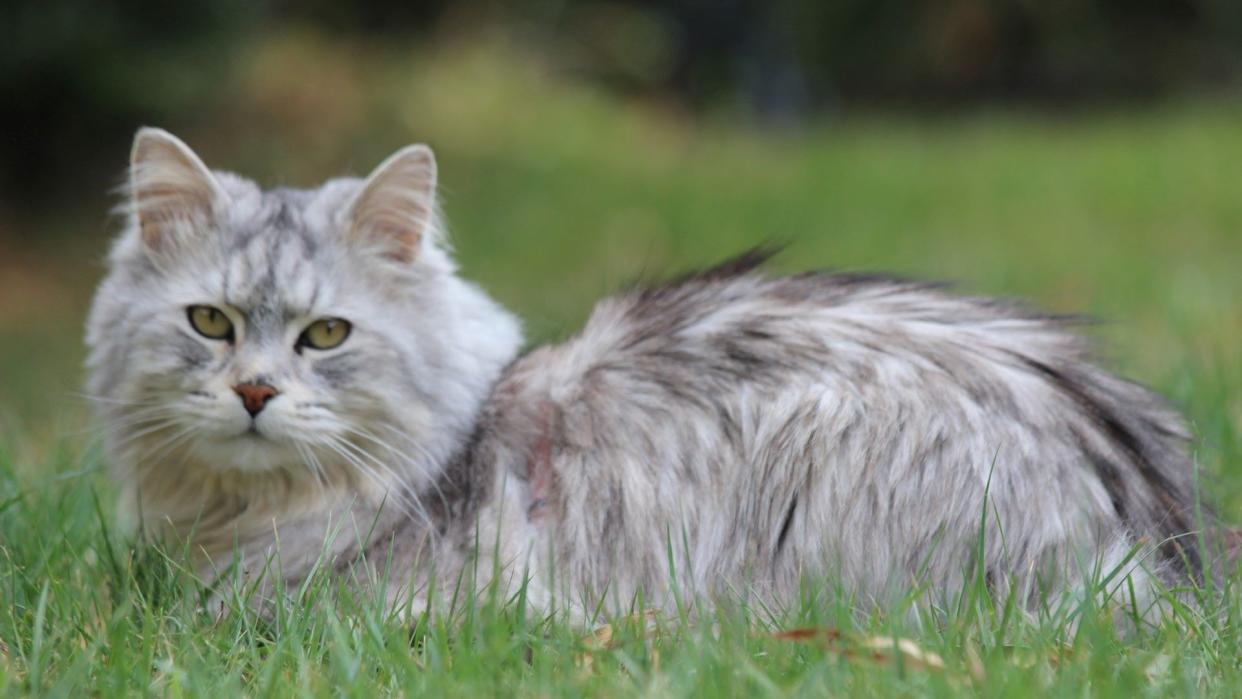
point(1138, 448)
point(1141, 453)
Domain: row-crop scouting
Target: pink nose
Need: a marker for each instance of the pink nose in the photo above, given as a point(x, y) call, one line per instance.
point(254, 396)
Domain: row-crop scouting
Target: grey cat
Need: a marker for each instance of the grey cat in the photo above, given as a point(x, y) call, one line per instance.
point(301, 374)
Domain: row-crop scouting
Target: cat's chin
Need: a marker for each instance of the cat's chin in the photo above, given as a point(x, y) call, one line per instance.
point(249, 452)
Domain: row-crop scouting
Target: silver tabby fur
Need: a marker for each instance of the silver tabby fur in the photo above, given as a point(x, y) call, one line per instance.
point(725, 433)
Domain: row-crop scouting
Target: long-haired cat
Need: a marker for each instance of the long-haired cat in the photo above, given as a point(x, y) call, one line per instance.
point(301, 374)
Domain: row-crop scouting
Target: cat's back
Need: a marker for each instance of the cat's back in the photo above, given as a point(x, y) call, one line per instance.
point(732, 330)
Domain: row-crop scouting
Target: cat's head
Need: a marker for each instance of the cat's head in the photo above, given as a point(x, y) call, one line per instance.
point(291, 331)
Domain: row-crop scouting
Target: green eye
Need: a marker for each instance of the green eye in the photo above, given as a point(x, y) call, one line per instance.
point(324, 334)
point(210, 322)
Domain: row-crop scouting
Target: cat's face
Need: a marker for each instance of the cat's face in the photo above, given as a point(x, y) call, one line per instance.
point(266, 335)
point(301, 330)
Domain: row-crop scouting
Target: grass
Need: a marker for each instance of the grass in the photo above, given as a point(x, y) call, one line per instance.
point(84, 610)
point(557, 195)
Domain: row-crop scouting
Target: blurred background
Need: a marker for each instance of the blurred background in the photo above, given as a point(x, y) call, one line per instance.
point(1081, 153)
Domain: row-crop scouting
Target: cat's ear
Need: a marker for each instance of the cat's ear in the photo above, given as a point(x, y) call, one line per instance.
point(170, 188)
point(394, 211)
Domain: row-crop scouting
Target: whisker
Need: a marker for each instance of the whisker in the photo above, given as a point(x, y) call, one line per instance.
point(157, 425)
point(366, 434)
point(313, 464)
point(366, 473)
point(165, 447)
point(397, 490)
point(108, 400)
point(380, 464)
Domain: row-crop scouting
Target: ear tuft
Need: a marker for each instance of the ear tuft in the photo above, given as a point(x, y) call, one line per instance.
point(394, 210)
point(170, 187)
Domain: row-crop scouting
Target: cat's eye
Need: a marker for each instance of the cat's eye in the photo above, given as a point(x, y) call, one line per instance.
point(210, 322)
point(324, 334)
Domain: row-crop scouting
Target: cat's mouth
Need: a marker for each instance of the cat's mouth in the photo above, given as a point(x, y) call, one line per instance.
point(253, 435)
point(252, 449)
point(257, 436)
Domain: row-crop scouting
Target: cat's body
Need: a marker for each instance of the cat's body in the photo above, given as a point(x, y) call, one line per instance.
point(725, 433)
point(731, 433)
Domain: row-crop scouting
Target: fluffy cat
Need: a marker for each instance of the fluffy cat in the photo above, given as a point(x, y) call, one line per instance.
point(302, 374)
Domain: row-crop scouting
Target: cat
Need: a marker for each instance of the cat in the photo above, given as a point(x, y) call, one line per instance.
point(301, 375)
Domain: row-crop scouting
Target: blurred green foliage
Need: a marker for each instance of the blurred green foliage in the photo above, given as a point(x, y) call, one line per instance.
point(77, 75)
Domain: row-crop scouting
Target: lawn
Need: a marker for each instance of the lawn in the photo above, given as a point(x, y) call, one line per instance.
point(556, 195)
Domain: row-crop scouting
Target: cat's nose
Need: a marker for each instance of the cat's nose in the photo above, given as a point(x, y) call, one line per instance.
point(254, 396)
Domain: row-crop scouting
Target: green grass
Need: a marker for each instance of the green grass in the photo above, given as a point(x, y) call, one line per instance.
point(558, 195)
point(86, 610)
